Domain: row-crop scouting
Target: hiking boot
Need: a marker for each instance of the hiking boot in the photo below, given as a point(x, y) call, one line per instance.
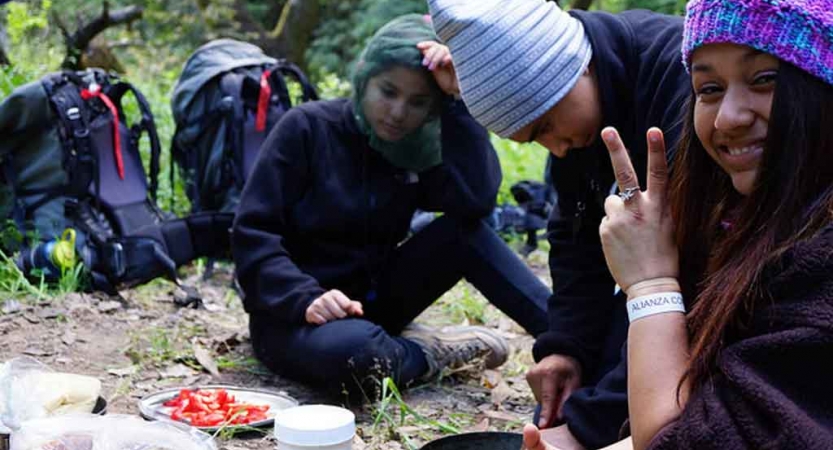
point(457, 346)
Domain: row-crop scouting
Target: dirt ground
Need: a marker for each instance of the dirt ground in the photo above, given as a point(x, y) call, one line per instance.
point(141, 342)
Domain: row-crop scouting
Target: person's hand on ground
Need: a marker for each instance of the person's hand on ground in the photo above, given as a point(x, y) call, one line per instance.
point(437, 59)
point(552, 381)
point(333, 305)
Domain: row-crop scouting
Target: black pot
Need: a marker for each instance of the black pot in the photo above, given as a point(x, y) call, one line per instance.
point(486, 440)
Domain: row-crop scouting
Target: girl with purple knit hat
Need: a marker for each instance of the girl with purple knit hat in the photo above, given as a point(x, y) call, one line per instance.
point(728, 265)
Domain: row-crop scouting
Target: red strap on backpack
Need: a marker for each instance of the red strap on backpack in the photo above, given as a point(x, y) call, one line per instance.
point(95, 92)
point(263, 101)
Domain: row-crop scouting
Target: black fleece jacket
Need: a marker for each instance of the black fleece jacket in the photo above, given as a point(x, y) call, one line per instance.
point(771, 387)
point(322, 210)
point(642, 83)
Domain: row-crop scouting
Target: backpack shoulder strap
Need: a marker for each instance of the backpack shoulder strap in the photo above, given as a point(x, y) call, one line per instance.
point(79, 161)
point(288, 68)
point(148, 125)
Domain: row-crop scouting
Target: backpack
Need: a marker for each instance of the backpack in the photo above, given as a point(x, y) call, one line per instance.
point(229, 96)
point(70, 161)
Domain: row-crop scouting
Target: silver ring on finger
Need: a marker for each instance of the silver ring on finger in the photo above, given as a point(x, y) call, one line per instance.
point(628, 194)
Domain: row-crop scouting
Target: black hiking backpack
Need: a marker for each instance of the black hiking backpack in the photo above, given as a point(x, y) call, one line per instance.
point(228, 97)
point(70, 161)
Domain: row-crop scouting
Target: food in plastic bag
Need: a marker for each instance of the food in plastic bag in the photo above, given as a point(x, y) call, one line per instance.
point(30, 389)
point(113, 432)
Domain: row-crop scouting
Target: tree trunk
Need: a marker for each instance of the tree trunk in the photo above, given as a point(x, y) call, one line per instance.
point(293, 32)
point(290, 36)
point(581, 4)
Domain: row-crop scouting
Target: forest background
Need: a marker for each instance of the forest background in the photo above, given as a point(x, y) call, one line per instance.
point(324, 37)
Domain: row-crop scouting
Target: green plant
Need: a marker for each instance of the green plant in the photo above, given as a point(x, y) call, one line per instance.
point(391, 398)
point(239, 362)
point(14, 282)
point(462, 303)
point(72, 280)
point(157, 346)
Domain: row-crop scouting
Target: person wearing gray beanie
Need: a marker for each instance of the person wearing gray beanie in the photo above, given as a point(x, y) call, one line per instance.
point(531, 72)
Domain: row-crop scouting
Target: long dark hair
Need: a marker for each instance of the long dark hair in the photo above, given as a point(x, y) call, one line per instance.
point(791, 201)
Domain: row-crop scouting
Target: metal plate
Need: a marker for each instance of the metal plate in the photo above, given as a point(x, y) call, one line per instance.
point(486, 440)
point(150, 407)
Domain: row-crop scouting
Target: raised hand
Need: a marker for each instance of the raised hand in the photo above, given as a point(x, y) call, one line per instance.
point(333, 305)
point(637, 233)
point(437, 59)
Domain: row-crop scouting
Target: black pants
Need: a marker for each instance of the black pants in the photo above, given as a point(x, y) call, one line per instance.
point(356, 352)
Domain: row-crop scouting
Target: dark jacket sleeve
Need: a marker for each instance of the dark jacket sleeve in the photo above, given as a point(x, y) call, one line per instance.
point(582, 303)
point(595, 414)
point(466, 183)
point(271, 282)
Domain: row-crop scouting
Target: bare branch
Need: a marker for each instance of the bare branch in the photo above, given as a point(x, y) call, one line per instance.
point(85, 34)
point(78, 42)
point(61, 25)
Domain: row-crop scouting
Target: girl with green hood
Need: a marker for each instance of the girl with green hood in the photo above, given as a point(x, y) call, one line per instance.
point(332, 281)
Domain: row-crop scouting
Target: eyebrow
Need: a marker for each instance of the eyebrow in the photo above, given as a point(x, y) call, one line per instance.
point(388, 84)
point(751, 54)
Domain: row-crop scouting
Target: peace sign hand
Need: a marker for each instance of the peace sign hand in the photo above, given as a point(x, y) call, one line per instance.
point(638, 234)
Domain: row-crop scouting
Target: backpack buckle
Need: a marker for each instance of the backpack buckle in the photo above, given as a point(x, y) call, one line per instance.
point(115, 259)
point(73, 113)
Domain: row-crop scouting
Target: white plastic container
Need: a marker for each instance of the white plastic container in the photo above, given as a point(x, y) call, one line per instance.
point(315, 427)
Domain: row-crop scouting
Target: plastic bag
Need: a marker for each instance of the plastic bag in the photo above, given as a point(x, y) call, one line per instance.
point(112, 432)
point(31, 390)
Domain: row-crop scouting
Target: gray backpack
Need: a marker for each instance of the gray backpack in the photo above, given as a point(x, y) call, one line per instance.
point(70, 161)
point(229, 96)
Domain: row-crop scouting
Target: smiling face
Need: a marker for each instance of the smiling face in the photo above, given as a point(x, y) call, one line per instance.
point(574, 122)
point(733, 85)
point(398, 101)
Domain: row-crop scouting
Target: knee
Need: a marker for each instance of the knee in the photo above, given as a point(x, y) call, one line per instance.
point(337, 354)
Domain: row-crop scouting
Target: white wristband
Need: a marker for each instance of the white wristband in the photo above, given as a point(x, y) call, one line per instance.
point(648, 305)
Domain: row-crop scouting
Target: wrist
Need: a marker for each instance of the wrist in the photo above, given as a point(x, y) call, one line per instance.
point(653, 286)
point(655, 303)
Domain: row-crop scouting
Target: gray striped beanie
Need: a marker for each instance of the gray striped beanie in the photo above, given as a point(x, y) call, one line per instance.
point(515, 59)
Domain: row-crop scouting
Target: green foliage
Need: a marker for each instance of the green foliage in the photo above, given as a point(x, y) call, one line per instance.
point(518, 162)
point(345, 28)
point(463, 304)
point(72, 280)
point(14, 283)
point(330, 86)
point(663, 6)
point(23, 19)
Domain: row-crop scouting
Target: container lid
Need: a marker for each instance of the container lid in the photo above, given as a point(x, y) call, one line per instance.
point(310, 425)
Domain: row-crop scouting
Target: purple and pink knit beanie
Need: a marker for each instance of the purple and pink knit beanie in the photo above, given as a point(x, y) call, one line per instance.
point(796, 31)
